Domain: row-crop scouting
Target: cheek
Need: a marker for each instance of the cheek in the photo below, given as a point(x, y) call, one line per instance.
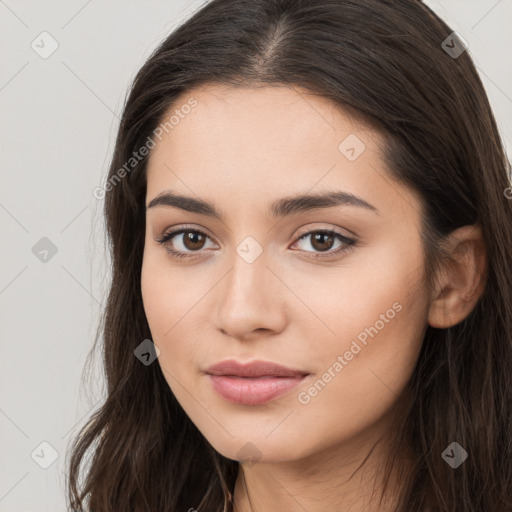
point(164, 292)
point(376, 317)
point(153, 294)
point(163, 303)
point(345, 300)
point(357, 384)
point(170, 297)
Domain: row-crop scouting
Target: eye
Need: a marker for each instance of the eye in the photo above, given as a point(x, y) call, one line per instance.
point(323, 240)
point(192, 241)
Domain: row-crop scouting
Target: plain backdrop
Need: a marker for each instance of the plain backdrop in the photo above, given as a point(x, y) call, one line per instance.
point(59, 115)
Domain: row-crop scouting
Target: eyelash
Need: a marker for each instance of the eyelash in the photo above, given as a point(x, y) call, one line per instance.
point(350, 243)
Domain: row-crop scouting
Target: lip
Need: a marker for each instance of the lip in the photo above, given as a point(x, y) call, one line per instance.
point(252, 383)
point(257, 368)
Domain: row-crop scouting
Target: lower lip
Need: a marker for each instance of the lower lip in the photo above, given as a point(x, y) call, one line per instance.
point(252, 391)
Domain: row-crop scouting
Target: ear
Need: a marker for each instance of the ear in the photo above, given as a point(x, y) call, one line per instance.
point(461, 280)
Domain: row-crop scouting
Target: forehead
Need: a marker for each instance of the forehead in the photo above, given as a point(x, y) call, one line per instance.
point(267, 142)
point(283, 128)
point(284, 114)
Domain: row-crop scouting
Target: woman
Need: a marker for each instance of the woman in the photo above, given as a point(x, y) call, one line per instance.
point(311, 240)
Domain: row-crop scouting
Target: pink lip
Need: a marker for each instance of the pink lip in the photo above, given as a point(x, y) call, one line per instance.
point(253, 383)
point(252, 390)
point(253, 369)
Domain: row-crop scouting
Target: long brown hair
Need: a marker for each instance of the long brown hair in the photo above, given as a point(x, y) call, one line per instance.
point(385, 62)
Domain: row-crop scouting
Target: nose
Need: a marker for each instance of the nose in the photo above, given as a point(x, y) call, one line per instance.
point(251, 299)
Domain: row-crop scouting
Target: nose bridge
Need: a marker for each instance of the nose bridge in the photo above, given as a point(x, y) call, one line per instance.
point(249, 296)
point(248, 278)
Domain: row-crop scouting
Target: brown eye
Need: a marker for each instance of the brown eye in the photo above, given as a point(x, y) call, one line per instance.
point(193, 240)
point(184, 242)
point(322, 241)
point(188, 243)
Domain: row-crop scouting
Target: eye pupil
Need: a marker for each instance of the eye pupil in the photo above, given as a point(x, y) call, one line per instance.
point(191, 237)
point(318, 237)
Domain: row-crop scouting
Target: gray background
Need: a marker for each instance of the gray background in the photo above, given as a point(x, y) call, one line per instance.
point(59, 117)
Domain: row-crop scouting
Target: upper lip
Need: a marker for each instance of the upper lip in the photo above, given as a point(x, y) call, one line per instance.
point(253, 369)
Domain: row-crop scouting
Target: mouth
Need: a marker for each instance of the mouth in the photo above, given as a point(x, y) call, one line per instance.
point(252, 390)
point(254, 383)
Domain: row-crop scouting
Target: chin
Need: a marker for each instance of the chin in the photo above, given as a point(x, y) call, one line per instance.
point(256, 449)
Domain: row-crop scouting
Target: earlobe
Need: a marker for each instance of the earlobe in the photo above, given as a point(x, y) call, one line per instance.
point(461, 280)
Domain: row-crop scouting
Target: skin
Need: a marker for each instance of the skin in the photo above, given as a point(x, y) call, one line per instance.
point(242, 149)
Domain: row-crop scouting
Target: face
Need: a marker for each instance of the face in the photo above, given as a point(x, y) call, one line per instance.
point(334, 292)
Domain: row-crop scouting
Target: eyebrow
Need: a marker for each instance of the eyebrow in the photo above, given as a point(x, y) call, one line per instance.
point(280, 208)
